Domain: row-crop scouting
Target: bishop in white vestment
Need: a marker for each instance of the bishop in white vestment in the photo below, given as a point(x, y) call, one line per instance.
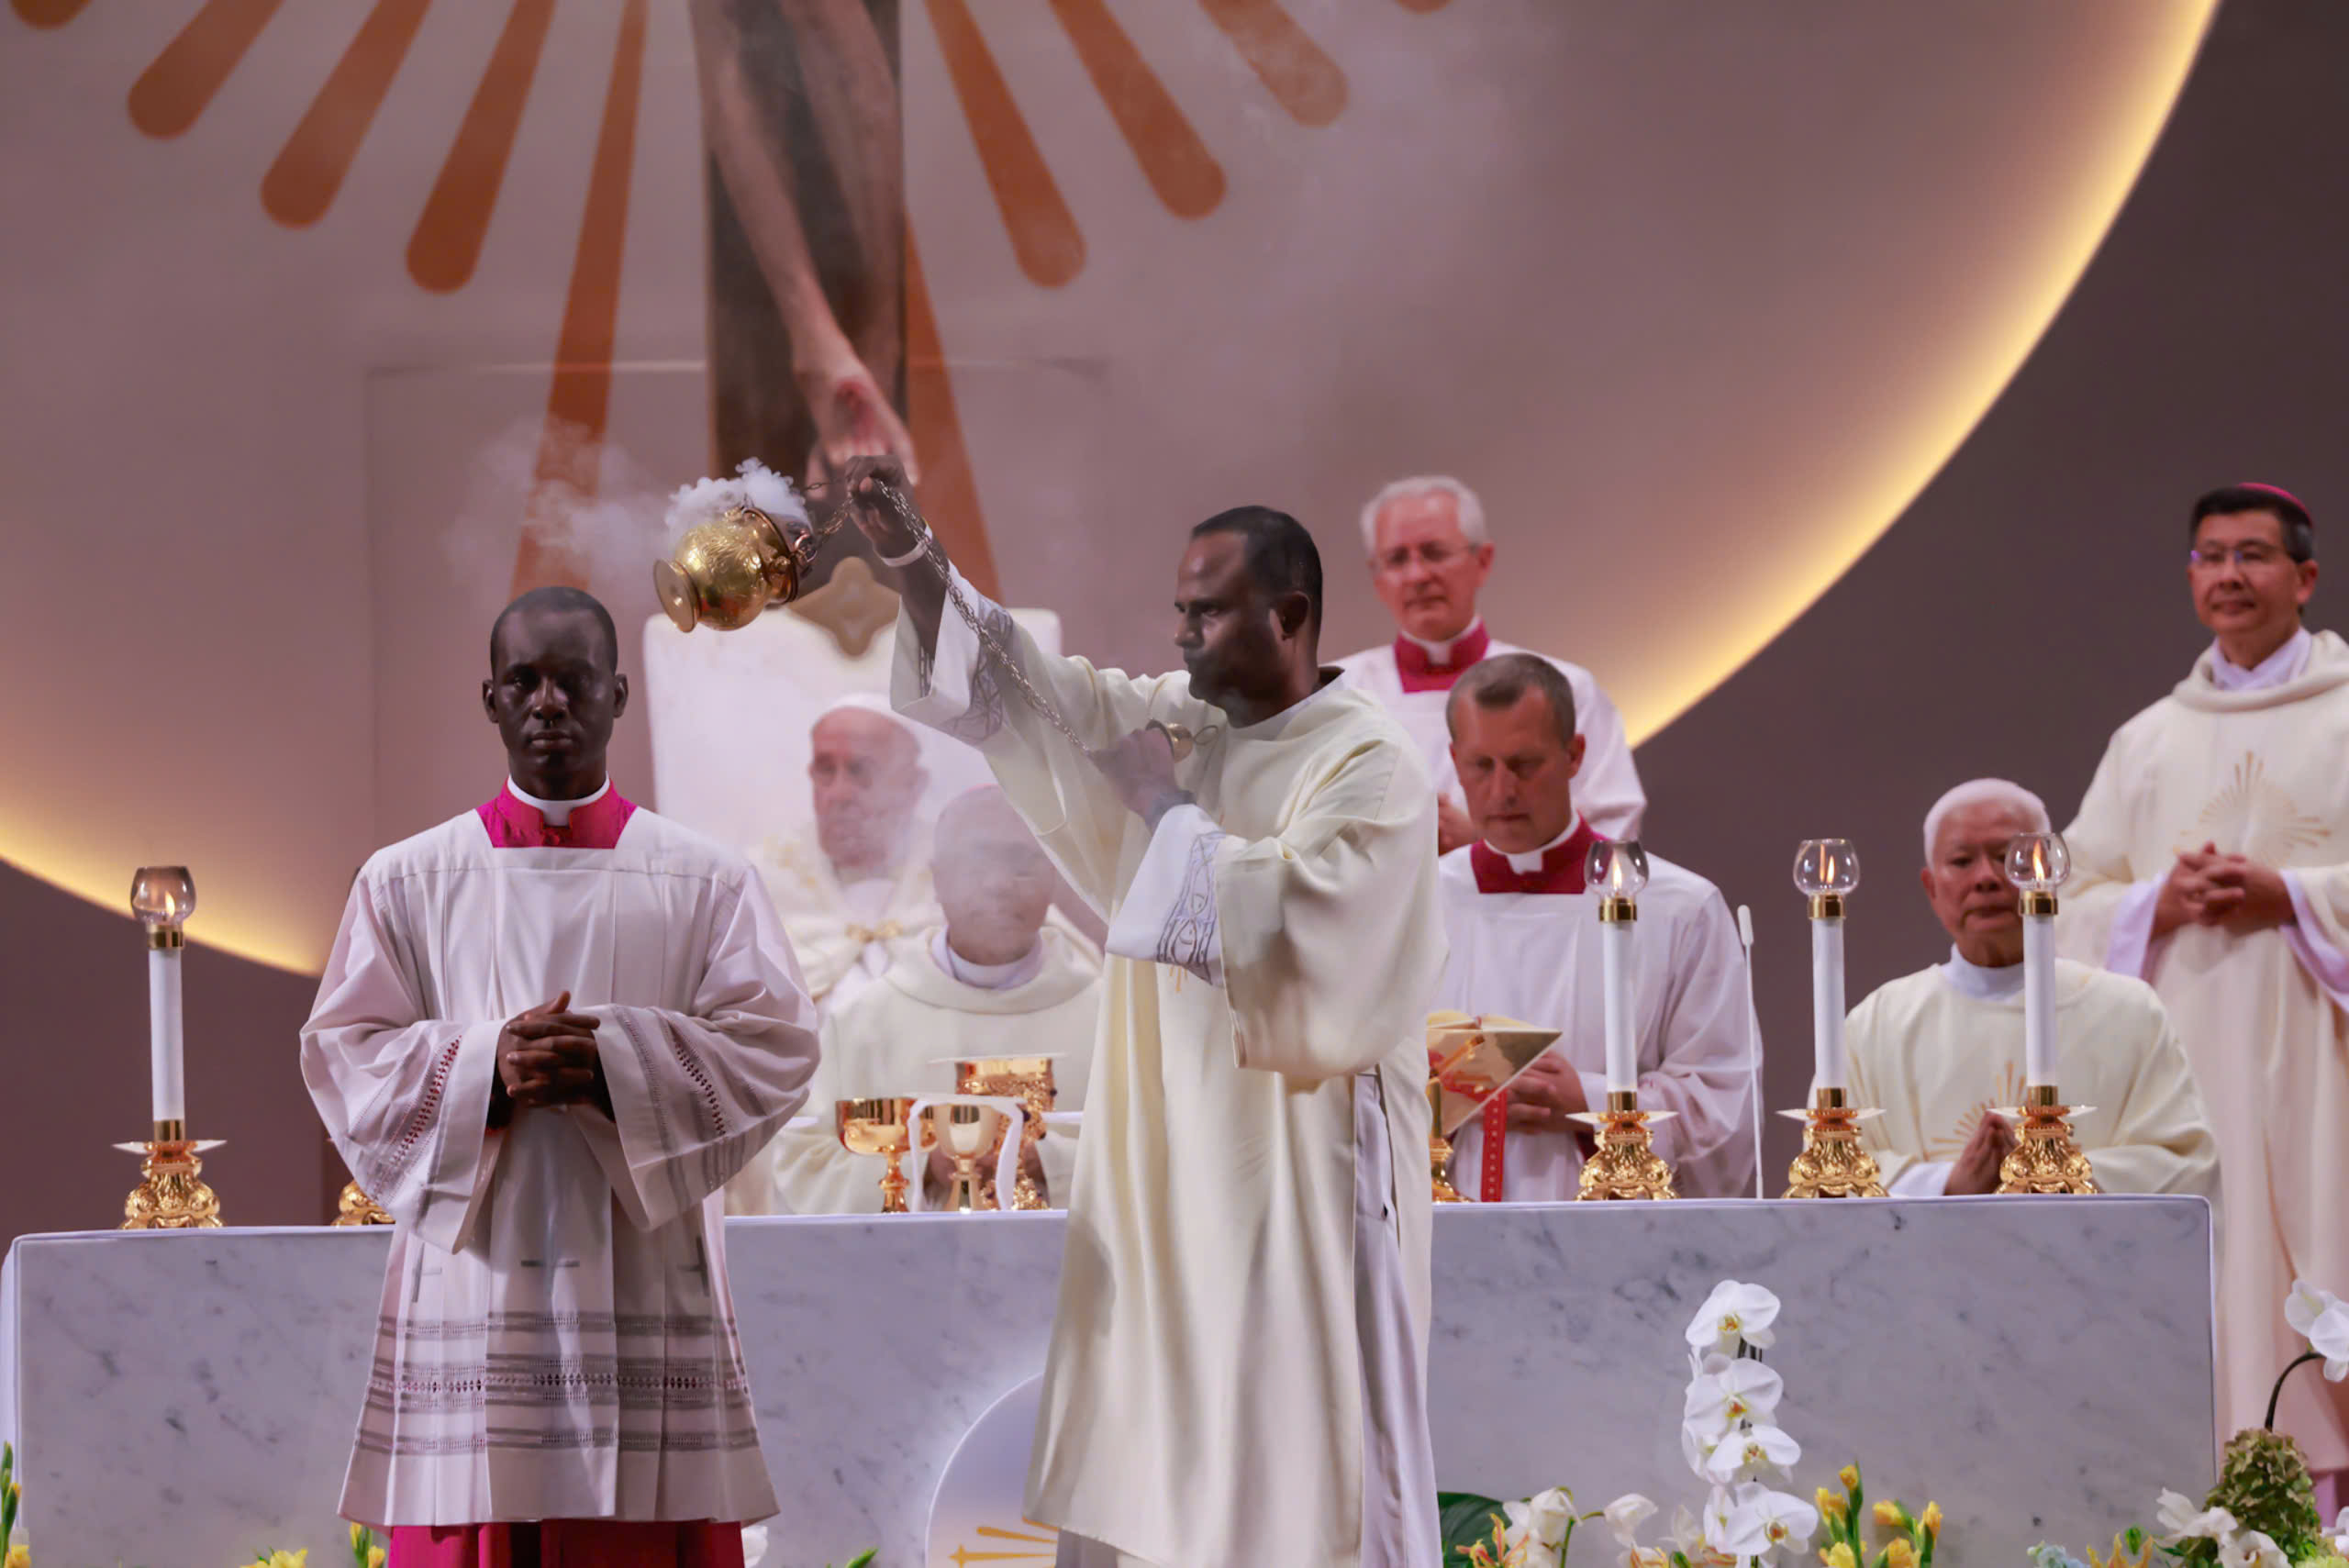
point(549, 1029)
point(1429, 554)
point(1939, 1052)
point(2210, 856)
point(996, 980)
point(1525, 944)
point(1237, 1370)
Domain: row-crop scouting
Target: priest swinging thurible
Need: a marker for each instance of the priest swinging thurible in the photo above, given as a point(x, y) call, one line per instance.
point(1237, 1370)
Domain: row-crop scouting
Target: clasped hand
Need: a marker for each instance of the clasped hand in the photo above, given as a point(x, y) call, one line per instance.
point(2207, 888)
point(547, 1056)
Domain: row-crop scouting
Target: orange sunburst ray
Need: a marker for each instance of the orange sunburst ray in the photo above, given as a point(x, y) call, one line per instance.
point(950, 495)
point(579, 402)
point(48, 13)
point(1044, 236)
point(173, 92)
point(1188, 180)
point(1298, 73)
point(445, 245)
point(301, 184)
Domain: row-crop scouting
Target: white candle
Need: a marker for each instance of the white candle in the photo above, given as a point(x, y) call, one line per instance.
point(167, 1071)
point(2039, 999)
point(1622, 1052)
point(1826, 1002)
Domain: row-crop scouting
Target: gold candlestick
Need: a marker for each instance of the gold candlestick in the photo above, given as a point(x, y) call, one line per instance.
point(1834, 1162)
point(878, 1126)
point(1028, 1080)
point(1625, 1165)
point(355, 1208)
point(2046, 1158)
point(171, 1194)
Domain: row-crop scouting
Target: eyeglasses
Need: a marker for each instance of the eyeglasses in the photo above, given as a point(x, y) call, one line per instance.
point(1436, 556)
point(2249, 557)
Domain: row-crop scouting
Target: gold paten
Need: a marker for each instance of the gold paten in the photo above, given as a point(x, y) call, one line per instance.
point(1625, 1166)
point(1028, 1080)
point(171, 1194)
point(878, 1126)
point(1834, 1162)
point(2046, 1158)
point(355, 1208)
point(969, 1133)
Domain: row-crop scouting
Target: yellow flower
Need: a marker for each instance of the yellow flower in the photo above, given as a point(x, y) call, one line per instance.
point(1931, 1521)
point(375, 1555)
point(1831, 1505)
point(1900, 1554)
point(19, 1556)
point(1850, 1477)
point(1839, 1556)
point(1891, 1515)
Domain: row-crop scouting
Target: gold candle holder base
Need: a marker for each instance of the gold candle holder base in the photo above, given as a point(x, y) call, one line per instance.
point(2046, 1159)
point(1625, 1166)
point(171, 1194)
point(1028, 1080)
point(355, 1208)
point(1834, 1162)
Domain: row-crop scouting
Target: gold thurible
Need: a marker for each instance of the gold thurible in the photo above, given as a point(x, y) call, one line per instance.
point(1834, 1162)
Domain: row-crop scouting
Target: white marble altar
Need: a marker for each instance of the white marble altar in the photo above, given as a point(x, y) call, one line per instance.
point(2041, 1366)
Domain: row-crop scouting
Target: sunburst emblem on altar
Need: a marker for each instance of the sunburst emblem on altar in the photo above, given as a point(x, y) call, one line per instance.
point(2257, 816)
point(2009, 1093)
point(977, 1515)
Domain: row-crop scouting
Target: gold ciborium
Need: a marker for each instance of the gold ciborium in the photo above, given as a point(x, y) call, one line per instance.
point(969, 1133)
point(1028, 1080)
point(725, 572)
point(878, 1126)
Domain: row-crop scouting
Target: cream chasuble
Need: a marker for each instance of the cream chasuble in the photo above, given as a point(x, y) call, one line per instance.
point(2260, 773)
point(1535, 957)
point(1222, 1387)
point(1606, 789)
point(1935, 1058)
point(889, 1041)
point(846, 937)
point(557, 1339)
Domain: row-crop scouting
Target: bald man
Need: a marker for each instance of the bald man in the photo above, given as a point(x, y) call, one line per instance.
point(997, 979)
point(854, 885)
point(1941, 1048)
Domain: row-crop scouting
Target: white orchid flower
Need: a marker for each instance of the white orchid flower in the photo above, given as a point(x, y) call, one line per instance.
point(1740, 1391)
point(1539, 1526)
point(1625, 1514)
point(1697, 1447)
point(2323, 1318)
point(755, 1545)
point(2180, 1520)
point(2250, 1549)
point(1734, 1315)
point(1750, 1453)
point(1687, 1531)
point(1759, 1522)
point(2340, 1533)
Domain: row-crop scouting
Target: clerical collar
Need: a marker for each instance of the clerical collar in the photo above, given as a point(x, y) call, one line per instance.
point(1971, 979)
point(1433, 666)
point(2287, 663)
point(987, 976)
point(557, 812)
point(1559, 866)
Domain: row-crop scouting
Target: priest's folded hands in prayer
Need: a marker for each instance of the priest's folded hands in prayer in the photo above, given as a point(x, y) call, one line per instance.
point(1976, 1169)
point(547, 1057)
point(1547, 1095)
point(2207, 888)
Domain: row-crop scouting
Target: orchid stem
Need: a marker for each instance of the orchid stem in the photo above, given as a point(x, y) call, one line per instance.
point(2278, 1391)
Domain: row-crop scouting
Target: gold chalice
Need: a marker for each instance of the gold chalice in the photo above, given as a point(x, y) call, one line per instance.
point(878, 1126)
point(1028, 1080)
point(969, 1133)
point(1470, 1060)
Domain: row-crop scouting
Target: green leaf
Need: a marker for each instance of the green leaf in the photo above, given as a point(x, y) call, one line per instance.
point(1466, 1518)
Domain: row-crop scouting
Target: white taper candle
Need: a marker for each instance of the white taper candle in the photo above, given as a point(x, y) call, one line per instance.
point(167, 1067)
point(1622, 1050)
point(2039, 999)
point(1826, 1002)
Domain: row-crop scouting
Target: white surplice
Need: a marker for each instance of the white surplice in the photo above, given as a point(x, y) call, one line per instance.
point(1237, 1372)
point(1608, 789)
point(1938, 1049)
point(903, 1036)
point(2252, 761)
point(557, 1338)
point(1535, 958)
point(846, 935)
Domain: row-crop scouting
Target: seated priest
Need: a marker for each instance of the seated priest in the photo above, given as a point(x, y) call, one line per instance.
point(1524, 939)
point(997, 979)
point(549, 1029)
point(1938, 1049)
point(853, 885)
